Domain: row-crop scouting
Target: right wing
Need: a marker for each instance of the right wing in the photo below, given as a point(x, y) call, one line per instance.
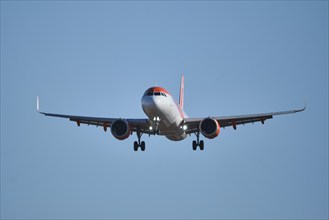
point(141, 125)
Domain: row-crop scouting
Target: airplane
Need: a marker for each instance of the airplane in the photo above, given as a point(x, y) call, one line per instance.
point(167, 118)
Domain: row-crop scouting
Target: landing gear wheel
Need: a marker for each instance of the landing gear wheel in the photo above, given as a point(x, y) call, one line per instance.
point(135, 146)
point(201, 145)
point(197, 142)
point(143, 146)
point(194, 145)
point(138, 143)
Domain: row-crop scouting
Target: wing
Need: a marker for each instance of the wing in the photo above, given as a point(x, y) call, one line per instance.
point(193, 123)
point(142, 125)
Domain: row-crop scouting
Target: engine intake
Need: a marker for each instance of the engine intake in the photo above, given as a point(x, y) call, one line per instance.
point(209, 127)
point(120, 129)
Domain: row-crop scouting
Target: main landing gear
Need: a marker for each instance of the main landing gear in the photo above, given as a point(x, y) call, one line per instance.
point(197, 143)
point(138, 143)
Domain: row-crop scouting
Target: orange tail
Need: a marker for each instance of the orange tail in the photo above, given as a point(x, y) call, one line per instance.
point(181, 93)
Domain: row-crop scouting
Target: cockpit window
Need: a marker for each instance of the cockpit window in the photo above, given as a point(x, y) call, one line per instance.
point(156, 94)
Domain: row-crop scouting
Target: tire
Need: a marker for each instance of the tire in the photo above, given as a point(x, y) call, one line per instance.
point(201, 145)
point(143, 146)
point(135, 146)
point(194, 146)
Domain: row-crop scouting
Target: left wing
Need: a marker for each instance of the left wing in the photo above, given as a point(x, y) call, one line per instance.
point(141, 125)
point(193, 123)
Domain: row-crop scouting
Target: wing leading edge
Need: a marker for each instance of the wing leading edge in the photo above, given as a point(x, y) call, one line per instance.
point(142, 125)
point(136, 124)
point(225, 121)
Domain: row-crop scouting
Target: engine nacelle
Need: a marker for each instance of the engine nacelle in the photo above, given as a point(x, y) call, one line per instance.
point(120, 129)
point(209, 127)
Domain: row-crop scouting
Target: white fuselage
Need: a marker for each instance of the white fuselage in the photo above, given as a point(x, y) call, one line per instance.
point(164, 112)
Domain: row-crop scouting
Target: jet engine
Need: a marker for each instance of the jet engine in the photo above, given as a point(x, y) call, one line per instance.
point(120, 129)
point(209, 127)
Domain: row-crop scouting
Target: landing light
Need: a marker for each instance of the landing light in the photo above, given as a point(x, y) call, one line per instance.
point(184, 127)
point(151, 128)
point(156, 118)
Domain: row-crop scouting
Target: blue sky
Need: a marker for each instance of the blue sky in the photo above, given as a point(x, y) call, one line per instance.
point(98, 58)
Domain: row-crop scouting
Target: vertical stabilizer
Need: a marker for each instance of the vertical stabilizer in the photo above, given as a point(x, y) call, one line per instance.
point(181, 93)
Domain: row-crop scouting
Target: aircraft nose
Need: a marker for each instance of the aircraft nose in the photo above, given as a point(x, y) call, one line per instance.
point(150, 103)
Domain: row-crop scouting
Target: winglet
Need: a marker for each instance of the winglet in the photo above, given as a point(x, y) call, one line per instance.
point(181, 93)
point(38, 108)
point(306, 100)
point(302, 109)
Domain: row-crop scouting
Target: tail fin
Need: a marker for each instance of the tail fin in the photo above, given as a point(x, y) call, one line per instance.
point(181, 93)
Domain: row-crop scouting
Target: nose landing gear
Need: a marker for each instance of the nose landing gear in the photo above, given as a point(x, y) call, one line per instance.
point(197, 142)
point(156, 122)
point(154, 126)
